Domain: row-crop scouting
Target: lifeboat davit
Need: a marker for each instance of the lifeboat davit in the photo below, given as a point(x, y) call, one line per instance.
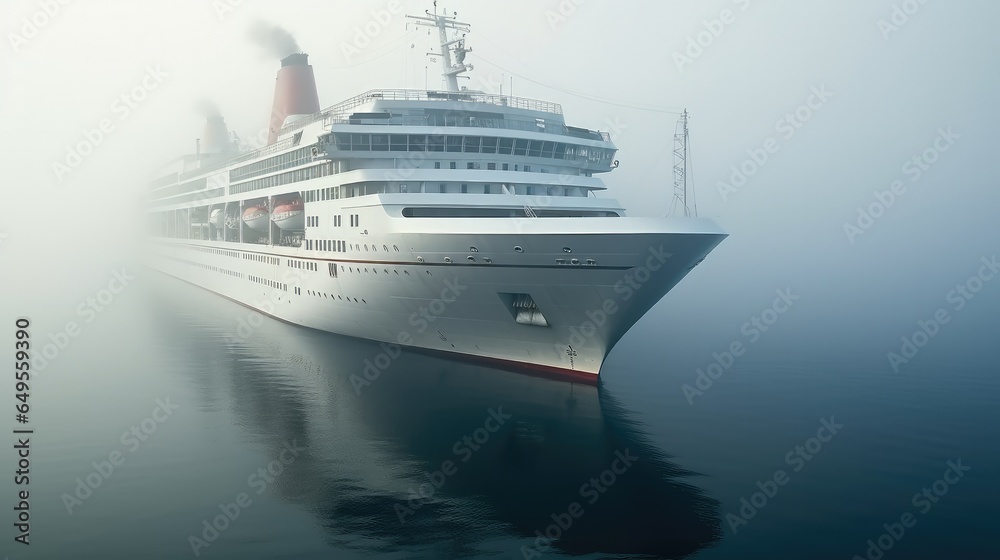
point(217, 218)
point(256, 217)
point(290, 215)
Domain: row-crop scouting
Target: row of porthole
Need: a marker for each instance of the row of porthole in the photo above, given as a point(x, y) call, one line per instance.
point(375, 270)
point(517, 249)
point(357, 247)
point(341, 298)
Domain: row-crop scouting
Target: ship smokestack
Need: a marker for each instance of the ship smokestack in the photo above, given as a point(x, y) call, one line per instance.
point(215, 137)
point(294, 93)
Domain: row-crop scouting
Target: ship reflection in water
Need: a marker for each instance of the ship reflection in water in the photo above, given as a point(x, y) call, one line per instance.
point(434, 458)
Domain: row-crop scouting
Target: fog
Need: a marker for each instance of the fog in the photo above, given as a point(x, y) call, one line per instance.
point(838, 96)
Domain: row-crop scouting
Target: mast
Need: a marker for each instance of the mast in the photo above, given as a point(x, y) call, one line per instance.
point(681, 145)
point(450, 70)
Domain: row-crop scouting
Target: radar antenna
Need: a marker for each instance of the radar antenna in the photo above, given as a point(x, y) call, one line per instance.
point(444, 23)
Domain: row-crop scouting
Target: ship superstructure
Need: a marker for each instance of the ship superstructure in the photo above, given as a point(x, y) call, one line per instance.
point(451, 220)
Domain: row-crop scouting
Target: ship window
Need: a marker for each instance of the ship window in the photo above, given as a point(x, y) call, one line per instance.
point(527, 168)
point(506, 167)
point(437, 165)
point(360, 142)
point(506, 145)
point(489, 145)
point(397, 142)
point(547, 148)
point(380, 142)
point(452, 165)
point(454, 144)
point(486, 189)
point(520, 147)
point(560, 151)
point(472, 144)
point(465, 188)
point(535, 148)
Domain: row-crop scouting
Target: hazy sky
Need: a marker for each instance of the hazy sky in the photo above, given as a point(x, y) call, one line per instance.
point(885, 79)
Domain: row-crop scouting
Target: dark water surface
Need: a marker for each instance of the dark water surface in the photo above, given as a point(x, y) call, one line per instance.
point(778, 458)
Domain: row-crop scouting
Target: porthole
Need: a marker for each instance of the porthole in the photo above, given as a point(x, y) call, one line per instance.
point(567, 250)
point(591, 262)
point(470, 258)
point(420, 259)
point(575, 261)
point(473, 250)
point(487, 260)
point(518, 249)
point(447, 259)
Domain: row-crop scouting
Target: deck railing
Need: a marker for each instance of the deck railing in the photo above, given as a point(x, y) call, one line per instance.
point(341, 110)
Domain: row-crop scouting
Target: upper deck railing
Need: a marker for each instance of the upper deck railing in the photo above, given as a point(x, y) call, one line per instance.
point(340, 110)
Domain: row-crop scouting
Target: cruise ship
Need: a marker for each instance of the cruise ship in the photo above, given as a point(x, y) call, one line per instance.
point(458, 221)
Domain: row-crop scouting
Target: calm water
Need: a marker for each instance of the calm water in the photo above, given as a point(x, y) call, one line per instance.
point(437, 459)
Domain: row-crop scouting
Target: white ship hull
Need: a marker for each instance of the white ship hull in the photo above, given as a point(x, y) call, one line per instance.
point(457, 221)
point(461, 307)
